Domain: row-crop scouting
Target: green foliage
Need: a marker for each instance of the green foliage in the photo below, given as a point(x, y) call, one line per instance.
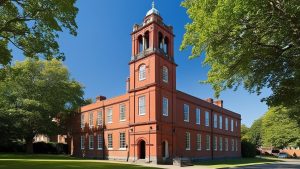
point(279, 130)
point(251, 42)
point(244, 131)
point(254, 133)
point(33, 26)
point(34, 93)
point(248, 149)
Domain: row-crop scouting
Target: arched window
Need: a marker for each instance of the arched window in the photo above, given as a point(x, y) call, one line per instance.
point(142, 72)
point(146, 36)
point(166, 45)
point(160, 40)
point(140, 39)
point(165, 74)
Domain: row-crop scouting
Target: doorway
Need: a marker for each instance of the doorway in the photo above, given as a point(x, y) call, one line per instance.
point(142, 149)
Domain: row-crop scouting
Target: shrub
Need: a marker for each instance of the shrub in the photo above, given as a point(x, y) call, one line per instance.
point(248, 149)
point(50, 148)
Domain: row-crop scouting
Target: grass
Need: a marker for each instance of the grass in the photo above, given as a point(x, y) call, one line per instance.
point(22, 161)
point(230, 163)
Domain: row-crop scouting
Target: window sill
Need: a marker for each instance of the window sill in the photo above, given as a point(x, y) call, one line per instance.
point(188, 149)
point(186, 121)
point(109, 148)
point(122, 149)
point(198, 149)
point(122, 120)
point(99, 149)
point(91, 148)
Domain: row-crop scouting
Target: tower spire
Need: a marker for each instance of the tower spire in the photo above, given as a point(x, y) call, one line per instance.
point(153, 4)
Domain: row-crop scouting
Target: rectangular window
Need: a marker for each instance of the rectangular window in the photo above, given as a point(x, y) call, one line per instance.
point(99, 118)
point(220, 143)
point(186, 112)
point(82, 121)
point(215, 120)
point(142, 110)
point(198, 141)
point(100, 141)
point(236, 145)
point(207, 118)
point(109, 115)
point(236, 123)
point(122, 141)
point(91, 124)
point(232, 144)
point(198, 116)
point(220, 122)
point(91, 142)
point(226, 144)
point(226, 123)
point(187, 141)
point(122, 112)
point(110, 141)
point(165, 106)
point(231, 125)
point(82, 139)
point(215, 143)
point(207, 142)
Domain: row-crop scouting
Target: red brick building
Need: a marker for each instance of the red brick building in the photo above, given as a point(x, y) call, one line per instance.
point(153, 121)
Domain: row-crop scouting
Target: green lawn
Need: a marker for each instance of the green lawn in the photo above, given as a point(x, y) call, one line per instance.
point(21, 161)
point(230, 163)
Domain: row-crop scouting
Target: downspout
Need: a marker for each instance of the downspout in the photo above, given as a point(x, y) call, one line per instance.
point(103, 126)
point(211, 131)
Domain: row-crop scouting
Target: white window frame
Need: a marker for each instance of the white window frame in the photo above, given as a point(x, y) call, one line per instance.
point(142, 105)
point(82, 142)
point(206, 118)
point(187, 141)
point(91, 142)
point(220, 122)
point(186, 112)
point(198, 142)
point(236, 144)
point(221, 143)
point(165, 74)
point(231, 125)
point(110, 141)
point(226, 144)
point(142, 72)
point(99, 118)
point(232, 144)
point(215, 143)
point(122, 113)
point(82, 121)
point(122, 139)
point(109, 115)
point(100, 141)
point(198, 116)
point(226, 123)
point(91, 119)
point(215, 120)
point(207, 142)
point(165, 106)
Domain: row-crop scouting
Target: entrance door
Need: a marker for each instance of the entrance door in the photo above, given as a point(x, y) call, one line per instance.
point(165, 149)
point(142, 149)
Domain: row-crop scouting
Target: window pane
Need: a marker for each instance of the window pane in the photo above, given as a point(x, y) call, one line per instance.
point(165, 74)
point(207, 142)
point(215, 143)
point(122, 112)
point(187, 141)
point(100, 141)
point(198, 116)
point(82, 139)
point(109, 115)
point(198, 141)
point(122, 140)
point(142, 72)
point(206, 118)
point(91, 122)
point(165, 106)
point(91, 142)
point(220, 122)
point(110, 141)
point(220, 143)
point(215, 121)
point(142, 105)
point(82, 121)
point(99, 118)
point(186, 112)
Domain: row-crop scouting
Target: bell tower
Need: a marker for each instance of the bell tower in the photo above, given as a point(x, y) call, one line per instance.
point(152, 60)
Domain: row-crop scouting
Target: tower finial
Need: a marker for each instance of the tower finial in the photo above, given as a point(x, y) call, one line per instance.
point(153, 4)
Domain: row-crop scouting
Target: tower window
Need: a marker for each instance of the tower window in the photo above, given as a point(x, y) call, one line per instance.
point(140, 39)
point(165, 74)
point(165, 106)
point(146, 36)
point(160, 40)
point(142, 110)
point(142, 72)
point(166, 45)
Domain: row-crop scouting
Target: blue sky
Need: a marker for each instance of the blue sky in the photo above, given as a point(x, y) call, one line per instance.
point(98, 57)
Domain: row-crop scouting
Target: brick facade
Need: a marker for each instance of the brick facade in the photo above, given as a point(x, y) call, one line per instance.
point(154, 121)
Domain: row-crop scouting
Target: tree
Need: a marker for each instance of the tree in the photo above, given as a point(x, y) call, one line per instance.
point(249, 42)
point(34, 97)
point(279, 130)
point(33, 26)
point(244, 132)
point(254, 133)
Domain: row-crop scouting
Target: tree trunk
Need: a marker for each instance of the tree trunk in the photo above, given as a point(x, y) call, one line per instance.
point(29, 145)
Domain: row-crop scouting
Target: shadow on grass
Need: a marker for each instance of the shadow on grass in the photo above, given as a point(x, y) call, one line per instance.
point(36, 156)
point(228, 163)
